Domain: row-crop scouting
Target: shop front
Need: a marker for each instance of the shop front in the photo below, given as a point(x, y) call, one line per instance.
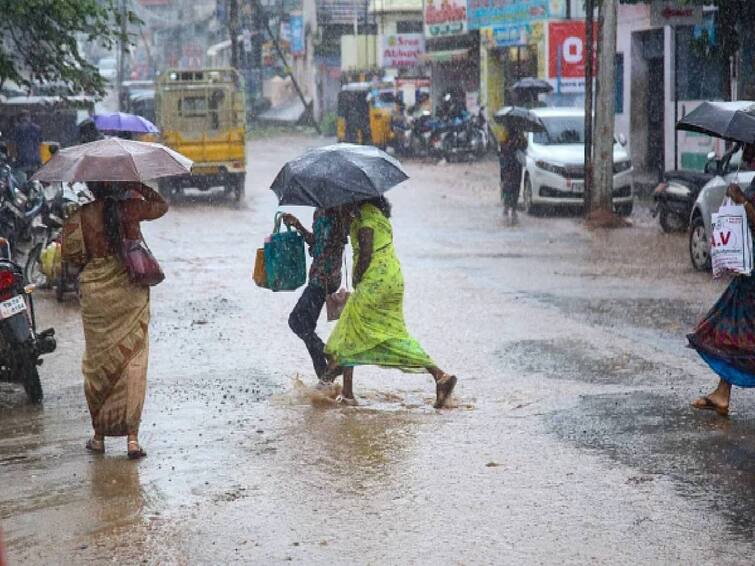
point(452, 51)
point(513, 44)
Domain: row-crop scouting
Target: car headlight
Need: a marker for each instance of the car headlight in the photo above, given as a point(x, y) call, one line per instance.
point(551, 167)
point(621, 166)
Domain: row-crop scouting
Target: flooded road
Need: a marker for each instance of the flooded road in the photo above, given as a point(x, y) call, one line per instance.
point(569, 441)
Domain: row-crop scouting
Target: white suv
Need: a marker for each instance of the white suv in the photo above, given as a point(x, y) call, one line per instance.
point(554, 171)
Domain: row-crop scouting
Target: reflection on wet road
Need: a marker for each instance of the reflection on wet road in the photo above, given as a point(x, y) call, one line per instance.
point(570, 439)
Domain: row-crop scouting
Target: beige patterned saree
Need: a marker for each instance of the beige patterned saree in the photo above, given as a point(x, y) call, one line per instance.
point(115, 316)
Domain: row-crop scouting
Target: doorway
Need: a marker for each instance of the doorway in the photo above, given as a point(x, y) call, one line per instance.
point(647, 106)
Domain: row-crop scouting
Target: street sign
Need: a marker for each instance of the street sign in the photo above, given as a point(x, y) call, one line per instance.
point(664, 13)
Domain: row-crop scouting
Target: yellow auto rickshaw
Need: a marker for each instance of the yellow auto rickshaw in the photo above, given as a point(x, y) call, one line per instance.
point(364, 114)
point(202, 114)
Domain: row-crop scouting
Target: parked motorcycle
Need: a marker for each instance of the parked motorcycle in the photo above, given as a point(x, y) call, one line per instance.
point(21, 346)
point(675, 196)
point(44, 265)
point(21, 202)
point(467, 137)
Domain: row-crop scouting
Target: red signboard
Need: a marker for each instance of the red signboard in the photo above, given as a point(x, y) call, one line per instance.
point(566, 49)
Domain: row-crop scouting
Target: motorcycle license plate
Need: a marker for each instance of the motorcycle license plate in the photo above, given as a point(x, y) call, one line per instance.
point(12, 307)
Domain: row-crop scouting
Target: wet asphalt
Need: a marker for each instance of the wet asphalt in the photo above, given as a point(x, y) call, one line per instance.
point(570, 439)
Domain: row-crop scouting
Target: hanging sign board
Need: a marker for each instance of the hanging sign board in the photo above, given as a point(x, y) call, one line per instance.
point(445, 18)
point(674, 14)
point(401, 50)
point(487, 13)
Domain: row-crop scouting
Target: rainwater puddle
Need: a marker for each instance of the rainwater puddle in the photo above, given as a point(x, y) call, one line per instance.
point(579, 361)
point(301, 394)
point(710, 459)
point(675, 316)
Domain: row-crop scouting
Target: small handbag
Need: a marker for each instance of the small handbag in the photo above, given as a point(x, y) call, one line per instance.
point(335, 302)
point(260, 275)
point(141, 266)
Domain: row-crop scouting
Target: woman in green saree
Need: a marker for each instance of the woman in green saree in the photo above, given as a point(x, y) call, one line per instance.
point(371, 329)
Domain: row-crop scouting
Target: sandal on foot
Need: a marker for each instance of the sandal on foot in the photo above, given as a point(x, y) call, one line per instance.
point(135, 453)
point(443, 389)
point(347, 401)
point(96, 446)
point(706, 404)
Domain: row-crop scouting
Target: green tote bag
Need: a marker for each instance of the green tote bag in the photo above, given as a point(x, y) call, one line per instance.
point(285, 261)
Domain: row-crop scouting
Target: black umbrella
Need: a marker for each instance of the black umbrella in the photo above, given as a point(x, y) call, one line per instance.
point(520, 118)
point(337, 174)
point(733, 121)
point(532, 84)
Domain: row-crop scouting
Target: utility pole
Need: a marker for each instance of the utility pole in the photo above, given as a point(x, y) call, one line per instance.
point(122, 45)
point(605, 110)
point(233, 31)
point(589, 55)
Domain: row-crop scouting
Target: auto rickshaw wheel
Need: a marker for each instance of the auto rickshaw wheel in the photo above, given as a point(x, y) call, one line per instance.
point(239, 188)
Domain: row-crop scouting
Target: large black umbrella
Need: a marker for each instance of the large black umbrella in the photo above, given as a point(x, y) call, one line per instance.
point(733, 121)
point(533, 85)
point(337, 174)
point(519, 118)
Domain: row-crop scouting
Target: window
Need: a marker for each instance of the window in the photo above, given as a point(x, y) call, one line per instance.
point(562, 130)
point(411, 26)
point(192, 106)
point(619, 83)
point(698, 62)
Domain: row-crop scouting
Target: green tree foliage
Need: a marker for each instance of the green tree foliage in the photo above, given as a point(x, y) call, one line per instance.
point(40, 39)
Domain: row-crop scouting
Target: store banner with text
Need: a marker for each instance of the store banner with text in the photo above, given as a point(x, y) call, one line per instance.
point(445, 18)
point(296, 26)
point(401, 50)
point(567, 55)
point(487, 13)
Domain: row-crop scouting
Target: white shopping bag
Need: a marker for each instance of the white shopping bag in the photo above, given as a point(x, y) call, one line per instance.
point(731, 240)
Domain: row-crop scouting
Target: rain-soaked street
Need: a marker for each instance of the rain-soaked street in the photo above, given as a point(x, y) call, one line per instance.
point(570, 438)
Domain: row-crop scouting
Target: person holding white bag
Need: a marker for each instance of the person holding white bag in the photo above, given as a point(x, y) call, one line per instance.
point(725, 338)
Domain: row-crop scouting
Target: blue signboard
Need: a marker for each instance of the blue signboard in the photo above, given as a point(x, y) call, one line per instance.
point(497, 13)
point(511, 35)
point(296, 26)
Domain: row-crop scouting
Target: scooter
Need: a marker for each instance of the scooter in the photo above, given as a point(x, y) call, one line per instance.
point(675, 196)
point(44, 265)
point(21, 346)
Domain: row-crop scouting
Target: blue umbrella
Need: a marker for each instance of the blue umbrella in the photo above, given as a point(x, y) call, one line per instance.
point(122, 122)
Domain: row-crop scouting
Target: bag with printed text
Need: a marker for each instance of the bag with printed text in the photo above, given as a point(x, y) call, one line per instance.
point(731, 240)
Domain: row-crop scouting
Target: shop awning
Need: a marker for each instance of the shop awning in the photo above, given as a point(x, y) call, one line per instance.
point(445, 56)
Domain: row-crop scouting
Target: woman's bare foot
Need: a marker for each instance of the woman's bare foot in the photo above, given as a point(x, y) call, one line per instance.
point(711, 403)
point(347, 401)
point(443, 389)
point(134, 450)
point(96, 444)
point(717, 401)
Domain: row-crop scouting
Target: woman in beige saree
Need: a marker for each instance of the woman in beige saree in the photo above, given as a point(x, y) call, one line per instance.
point(114, 312)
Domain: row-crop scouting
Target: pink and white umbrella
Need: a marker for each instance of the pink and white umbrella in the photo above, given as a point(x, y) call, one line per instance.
point(114, 160)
